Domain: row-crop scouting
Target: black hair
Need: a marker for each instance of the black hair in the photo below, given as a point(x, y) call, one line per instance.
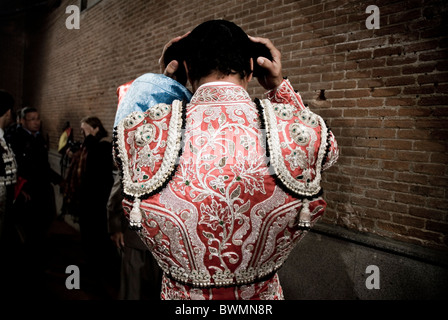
point(26, 110)
point(216, 46)
point(95, 122)
point(6, 102)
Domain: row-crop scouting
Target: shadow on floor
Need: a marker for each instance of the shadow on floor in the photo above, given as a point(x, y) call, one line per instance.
point(43, 275)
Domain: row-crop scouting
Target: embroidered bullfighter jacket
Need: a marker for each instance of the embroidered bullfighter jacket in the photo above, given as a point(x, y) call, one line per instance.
point(222, 188)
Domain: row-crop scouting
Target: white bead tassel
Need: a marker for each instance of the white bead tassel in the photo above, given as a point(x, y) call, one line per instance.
point(135, 217)
point(305, 216)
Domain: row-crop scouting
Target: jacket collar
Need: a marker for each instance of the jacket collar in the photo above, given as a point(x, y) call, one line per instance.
point(218, 92)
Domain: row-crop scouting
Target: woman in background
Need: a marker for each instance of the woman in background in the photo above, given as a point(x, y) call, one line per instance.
point(94, 172)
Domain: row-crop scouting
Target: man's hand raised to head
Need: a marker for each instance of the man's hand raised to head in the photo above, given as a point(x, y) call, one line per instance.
point(274, 76)
point(170, 69)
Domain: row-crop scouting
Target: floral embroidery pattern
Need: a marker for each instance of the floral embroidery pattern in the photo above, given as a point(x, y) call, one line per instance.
point(250, 170)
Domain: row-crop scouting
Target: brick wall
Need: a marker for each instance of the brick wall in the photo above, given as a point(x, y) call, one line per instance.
point(383, 92)
point(12, 47)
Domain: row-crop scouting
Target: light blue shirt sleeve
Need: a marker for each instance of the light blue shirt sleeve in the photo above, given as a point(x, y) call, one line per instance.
point(147, 91)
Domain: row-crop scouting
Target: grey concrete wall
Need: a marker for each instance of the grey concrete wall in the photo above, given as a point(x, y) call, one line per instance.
point(326, 267)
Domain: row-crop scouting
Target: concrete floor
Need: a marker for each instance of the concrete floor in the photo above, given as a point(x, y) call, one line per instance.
point(321, 267)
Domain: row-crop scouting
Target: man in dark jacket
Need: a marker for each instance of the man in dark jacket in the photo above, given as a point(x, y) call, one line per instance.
point(34, 207)
point(35, 202)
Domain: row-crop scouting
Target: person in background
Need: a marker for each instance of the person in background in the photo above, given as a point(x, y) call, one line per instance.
point(9, 244)
point(34, 208)
point(94, 168)
point(8, 166)
point(35, 201)
point(140, 276)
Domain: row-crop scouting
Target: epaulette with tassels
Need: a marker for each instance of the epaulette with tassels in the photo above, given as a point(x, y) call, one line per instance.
point(282, 175)
point(137, 191)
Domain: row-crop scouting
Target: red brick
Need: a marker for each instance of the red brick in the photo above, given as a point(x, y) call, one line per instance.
point(372, 42)
point(363, 201)
point(362, 162)
point(373, 102)
point(386, 72)
point(370, 143)
point(392, 227)
point(396, 165)
point(369, 123)
point(404, 16)
point(382, 133)
point(348, 46)
point(419, 68)
point(350, 84)
point(392, 206)
point(394, 186)
point(343, 103)
point(400, 102)
point(369, 83)
point(332, 76)
point(352, 65)
point(397, 144)
point(437, 157)
point(401, 60)
point(359, 55)
point(389, 92)
point(433, 101)
point(414, 112)
point(357, 93)
point(433, 55)
point(399, 81)
point(437, 226)
point(409, 198)
point(356, 113)
point(422, 46)
point(372, 63)
point(427, 191)
point(431, 146)
point(383, 112)
point(414, 134)
point(388, 51)
point(407, 220)
point(355, 74)
point(433, 78)
point(422, 234)
point(411, 177)
point(431, 169)
point(379, 214)
point(380, 154)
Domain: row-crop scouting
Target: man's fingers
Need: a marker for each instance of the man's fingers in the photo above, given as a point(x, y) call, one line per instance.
point(273, 78)
point(268, 43)
point(264, 62)
point(161, 62)
point(171, 68)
